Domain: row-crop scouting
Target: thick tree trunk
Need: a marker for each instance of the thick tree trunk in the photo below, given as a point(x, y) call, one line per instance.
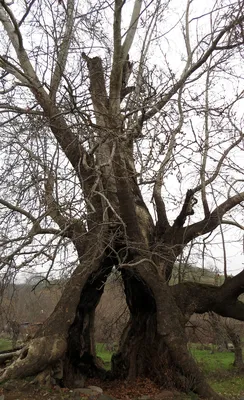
point(148, 352)
point(153, 343)
point(67, 335)
point(142, 352)
point(80, 358)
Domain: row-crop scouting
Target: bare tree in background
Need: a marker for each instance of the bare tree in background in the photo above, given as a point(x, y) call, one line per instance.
point(98, 116)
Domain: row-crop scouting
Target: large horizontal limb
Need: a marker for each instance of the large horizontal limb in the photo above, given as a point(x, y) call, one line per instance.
point(234, 310)
point(194, 297)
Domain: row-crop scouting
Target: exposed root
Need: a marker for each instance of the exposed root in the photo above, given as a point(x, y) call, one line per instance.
point(8, 356)
point(35, 357)
point(51, 375)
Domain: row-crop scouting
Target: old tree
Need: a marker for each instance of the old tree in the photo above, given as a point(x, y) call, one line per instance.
point(110, 111)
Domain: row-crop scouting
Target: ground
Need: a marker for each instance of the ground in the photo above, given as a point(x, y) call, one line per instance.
point(142, 389)
point(217, 367)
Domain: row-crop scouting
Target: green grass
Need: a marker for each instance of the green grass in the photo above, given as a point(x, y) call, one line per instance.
point(220, 373)
point(104, 354)
point(5, 344)
point(218, 368)
point(218, 361)
point(229, 385)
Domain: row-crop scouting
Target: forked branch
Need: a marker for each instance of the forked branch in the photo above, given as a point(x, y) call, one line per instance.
point(215, 218)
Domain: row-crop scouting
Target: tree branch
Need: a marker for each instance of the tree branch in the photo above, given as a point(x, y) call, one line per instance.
point(65, 137)
point(132, 29)
point(69, 227)
point(13, 70)
point(234, 310)
point(97, 88)
point(163, 223)
point(219, 165)
point(234, 223)
point(187, 209)
point(161, 103)
point(19, 210)
point(53, 209)
point(205, 145)
point(16, 36)
point(117, 65)
point(193, 297)
point(63, 52)
point(215, 218)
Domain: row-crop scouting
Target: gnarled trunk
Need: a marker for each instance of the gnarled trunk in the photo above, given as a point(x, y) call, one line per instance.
point(67, 335)
point(146, 351)
point(153, 343)
point(80, 358)
point(142, 352)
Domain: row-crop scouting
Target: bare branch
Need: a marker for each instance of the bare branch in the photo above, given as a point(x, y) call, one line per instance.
point(11, 26)
point(200, 298)
point(132, 28)
point(233, 223)
point(214, 219)
point(117, 65)
point(219, 164)
point(161, 103)
point(19, 210)
point(63, 51)
point(187, 209)
point(205, 147)
point(163, 223)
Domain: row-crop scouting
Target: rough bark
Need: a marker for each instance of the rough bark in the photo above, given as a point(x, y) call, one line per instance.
point(80, 358)
point(69, 327)
point(142, 351)
point(154, 342)
point(170, 326)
